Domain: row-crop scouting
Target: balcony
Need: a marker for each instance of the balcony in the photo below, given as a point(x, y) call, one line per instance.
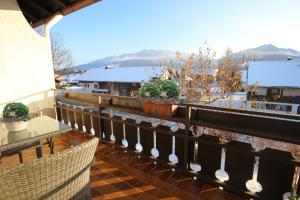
point(203, 152)
point(221, 148)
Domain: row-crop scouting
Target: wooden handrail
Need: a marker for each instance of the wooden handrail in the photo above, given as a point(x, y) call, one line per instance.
point(276, 126)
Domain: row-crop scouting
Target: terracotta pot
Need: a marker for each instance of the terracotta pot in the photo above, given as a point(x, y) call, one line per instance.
point(16, 126)
point(166, 110)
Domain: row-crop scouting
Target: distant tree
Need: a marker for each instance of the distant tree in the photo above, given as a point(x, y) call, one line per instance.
point(228, 76)
point(61, 56)
point(193, 73)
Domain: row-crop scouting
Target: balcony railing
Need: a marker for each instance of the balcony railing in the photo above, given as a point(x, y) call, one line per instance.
point(289, 108)
point(247, 152)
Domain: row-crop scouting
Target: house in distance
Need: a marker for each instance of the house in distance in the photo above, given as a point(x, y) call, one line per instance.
point(276, 81)
point(119, 80)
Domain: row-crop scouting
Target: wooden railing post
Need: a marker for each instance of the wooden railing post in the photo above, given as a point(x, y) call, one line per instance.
point(186, 134)
point(100, 120)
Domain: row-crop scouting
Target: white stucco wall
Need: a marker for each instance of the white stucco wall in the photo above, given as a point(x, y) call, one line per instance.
point(286, 91)
point(291, 92)
point(26, 70)
point(261, 91)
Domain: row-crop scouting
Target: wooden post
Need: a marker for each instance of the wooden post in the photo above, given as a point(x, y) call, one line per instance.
point(100, 120)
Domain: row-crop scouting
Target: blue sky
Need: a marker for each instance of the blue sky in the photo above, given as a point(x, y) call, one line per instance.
point(114, 27)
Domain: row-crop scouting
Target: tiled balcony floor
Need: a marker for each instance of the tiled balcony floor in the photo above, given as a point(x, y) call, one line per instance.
point(119, 175)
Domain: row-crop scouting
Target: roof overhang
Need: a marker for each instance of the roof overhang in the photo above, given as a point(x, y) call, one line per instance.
point(39, 12)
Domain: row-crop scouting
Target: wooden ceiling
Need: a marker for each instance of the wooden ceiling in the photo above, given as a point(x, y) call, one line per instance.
point(39, 12)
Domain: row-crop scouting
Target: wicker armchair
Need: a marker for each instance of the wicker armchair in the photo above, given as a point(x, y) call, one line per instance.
point(60, 176)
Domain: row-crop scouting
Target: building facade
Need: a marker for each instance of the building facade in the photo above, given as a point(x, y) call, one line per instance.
point(276, 83)
point(123, 81)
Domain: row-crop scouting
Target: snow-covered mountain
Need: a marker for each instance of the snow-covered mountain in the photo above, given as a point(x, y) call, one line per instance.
point(270, 49)
point(150, 57)
point(146, 57)
point(266, 52)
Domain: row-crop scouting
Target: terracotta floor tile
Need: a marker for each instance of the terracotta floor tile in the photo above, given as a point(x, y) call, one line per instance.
point(115, 195)
point(124, 198)
point(177, 192)
point(162, 185)
point(96, 193)
point(146, 197)
point(135, 183)
point(101, 197)
point(105, 189)
point(132, 191)
point(190, 186)
point(174, 178)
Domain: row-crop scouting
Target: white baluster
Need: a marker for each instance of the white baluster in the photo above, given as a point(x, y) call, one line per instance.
point(75, 119)
point(172, 157)
point(92, 131)
point(124, 140)
point(82, 116)
point(253, 185)
point(221, 174)
point(61, 113)
point(40, 112)
point(154, 150)
point(112, 136)
point(138, 146)
point(69, 123)
point(293, 194)
point(194, 165)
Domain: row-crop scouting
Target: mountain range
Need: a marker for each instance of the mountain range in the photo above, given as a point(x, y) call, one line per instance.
point(265, 52)
point(150, 57)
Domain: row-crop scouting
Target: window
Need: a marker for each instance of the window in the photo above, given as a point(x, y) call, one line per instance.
point(86, 85)
point(274, 92)
point(96, 85)
point(123, 92)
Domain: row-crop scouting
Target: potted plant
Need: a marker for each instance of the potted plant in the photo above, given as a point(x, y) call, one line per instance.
point(15, 116)
point(160, 97)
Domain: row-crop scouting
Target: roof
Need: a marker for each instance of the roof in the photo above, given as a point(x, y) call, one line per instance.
point(122, 74)
point(38, 12)
point(70, 77)
point(275, 73)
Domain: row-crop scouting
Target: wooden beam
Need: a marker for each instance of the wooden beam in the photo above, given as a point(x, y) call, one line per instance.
point(67, 10)
point(26, 13)
point(37, 6)
point(62, 3)
point(77, 5)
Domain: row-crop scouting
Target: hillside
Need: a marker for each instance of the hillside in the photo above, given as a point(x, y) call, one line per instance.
point(146, 57)
point(265, 52)
point(150, 57)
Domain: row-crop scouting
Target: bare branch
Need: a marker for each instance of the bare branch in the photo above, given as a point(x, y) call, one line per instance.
point(61, 56)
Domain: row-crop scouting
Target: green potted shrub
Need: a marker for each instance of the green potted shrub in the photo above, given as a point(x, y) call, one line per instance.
point(160, 97)
point(15, 116)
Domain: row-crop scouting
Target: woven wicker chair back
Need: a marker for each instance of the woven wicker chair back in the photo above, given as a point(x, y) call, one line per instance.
point(34, 179)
